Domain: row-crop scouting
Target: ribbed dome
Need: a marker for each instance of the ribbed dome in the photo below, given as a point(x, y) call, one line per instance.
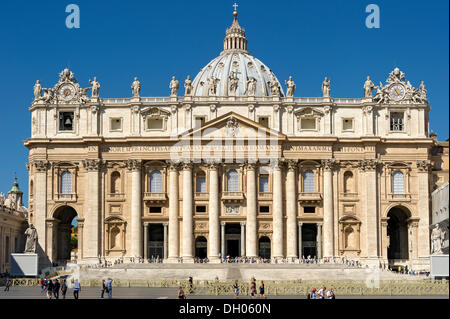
point(229, 74)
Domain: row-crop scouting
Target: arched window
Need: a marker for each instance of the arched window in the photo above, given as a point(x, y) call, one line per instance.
point(155, 182)
point(398, 183)
point(308, 181)
point(348, 182)
point(66, 183)
point(232, 181)
point(115, 183)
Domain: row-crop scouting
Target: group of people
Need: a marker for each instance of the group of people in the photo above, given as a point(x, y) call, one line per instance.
point(322, 293)
point(253, 291)
point(52, 288)
point(106, 287)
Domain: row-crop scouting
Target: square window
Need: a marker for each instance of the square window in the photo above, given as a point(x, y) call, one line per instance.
point(200, 209)
point(116, 124)
point(309, 210)
point(155, 124)
point(264, 209)
point(264, 121)
point(66, 121)
point(397, 121)
point(347, 124)
point(308, 124)
point(155, 210)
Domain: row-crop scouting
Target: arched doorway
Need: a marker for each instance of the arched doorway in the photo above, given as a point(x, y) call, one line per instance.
point(201, 249)
point(397, 230)
point(66, 234)
point(264, 247)
point(156, 241)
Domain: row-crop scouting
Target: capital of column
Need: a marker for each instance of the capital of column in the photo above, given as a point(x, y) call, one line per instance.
point(329, 164)
point(300, 223)
point(292, 165)
point(223, 224)
point(243, 223)
point(41, 166)
point(369, 164)
point(424, 165)
point(250, 165)
point(146, 224)
point(213, 166)
point(166, 224)
point(134, 165)
point(173, 166)
point(187, 166)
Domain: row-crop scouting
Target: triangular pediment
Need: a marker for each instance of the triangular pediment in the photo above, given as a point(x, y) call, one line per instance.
point(232, 126)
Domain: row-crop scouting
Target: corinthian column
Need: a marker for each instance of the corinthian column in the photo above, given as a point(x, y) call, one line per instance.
point(328, 215)
point(214, 232)
point(277, 212)
point(291, 211)
point(173, 214)
point(40, 172)
point(188, 231)
point(370, 168)
point(251, 229)
point(136, 222)
point(93, 211)
point(423, 204)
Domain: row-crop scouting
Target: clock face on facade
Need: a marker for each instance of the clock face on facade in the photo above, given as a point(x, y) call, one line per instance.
point(67, 92)
point(397, 92)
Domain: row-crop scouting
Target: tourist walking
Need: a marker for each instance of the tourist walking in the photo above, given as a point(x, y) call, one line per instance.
point(42, 286)
point(180, 294)
point(236, 290)
point(76, 289)
point(321, 293)
point(253, 290)
point(64, 289)
point(312, 294)
point(191, 285)
point(49, 289)
point(330, 294)
point(109, 288)
point(261, 290)
point(102, 289)
point(8, 284)
point(56, 287)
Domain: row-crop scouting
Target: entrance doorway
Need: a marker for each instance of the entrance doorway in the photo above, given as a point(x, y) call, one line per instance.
point(309, 240)
point(201, 247)
point(264, 247)
point(233, 240)
point(65, 237)
point(156, 241)
point(397, 230)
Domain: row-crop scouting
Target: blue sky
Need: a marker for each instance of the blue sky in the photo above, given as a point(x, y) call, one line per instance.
point(154, 40)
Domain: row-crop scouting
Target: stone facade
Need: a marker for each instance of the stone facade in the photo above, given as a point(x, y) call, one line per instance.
point(13, 222)
point(439, 220)
point(291, 176)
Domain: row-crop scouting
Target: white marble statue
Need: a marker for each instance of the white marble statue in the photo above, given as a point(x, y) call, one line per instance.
point(396, 76)
point(95, 87)
point(187, 86)
point(437, 239)
point(422, 91)
point(290, 87)
point(326, 87)
point(368, 87)
point(37, 90)
point(212, 86)
point(66, 75)
point(380, 95)
point(136, 87)
point(233, 83)
point(31, 234)
point(48, 95)
point(274, 87)
point(251, 86)
point(174, 85)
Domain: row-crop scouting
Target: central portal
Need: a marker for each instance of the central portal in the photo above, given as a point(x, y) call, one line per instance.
point(233, 240)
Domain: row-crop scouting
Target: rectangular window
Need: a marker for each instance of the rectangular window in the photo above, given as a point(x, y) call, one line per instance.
point(309, 210)
point(308, 124)
point(200, 209)
point(155, 210)
point(264, 209)
point(201, 185)
point(264, 121)
point(397, 122)
point(264, 184)
point(199, 121)
point(66, 121)
point(347, 124)
point(116, 124)
point(155, 124)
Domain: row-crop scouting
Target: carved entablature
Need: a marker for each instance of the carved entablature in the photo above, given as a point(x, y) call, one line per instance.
point(66, 91)
point(369, 164)
point(399, 91)
point(134, 165)
point(330, 164)
point(154, 112)
point(40, 166)
point(92, 164)
point(424, 165)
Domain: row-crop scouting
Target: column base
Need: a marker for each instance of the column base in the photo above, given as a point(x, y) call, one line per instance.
point(171, 260)
point(214, 260)
point(188, 260)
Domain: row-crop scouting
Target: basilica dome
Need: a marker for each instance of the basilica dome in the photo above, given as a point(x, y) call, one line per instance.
point(235, 72)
